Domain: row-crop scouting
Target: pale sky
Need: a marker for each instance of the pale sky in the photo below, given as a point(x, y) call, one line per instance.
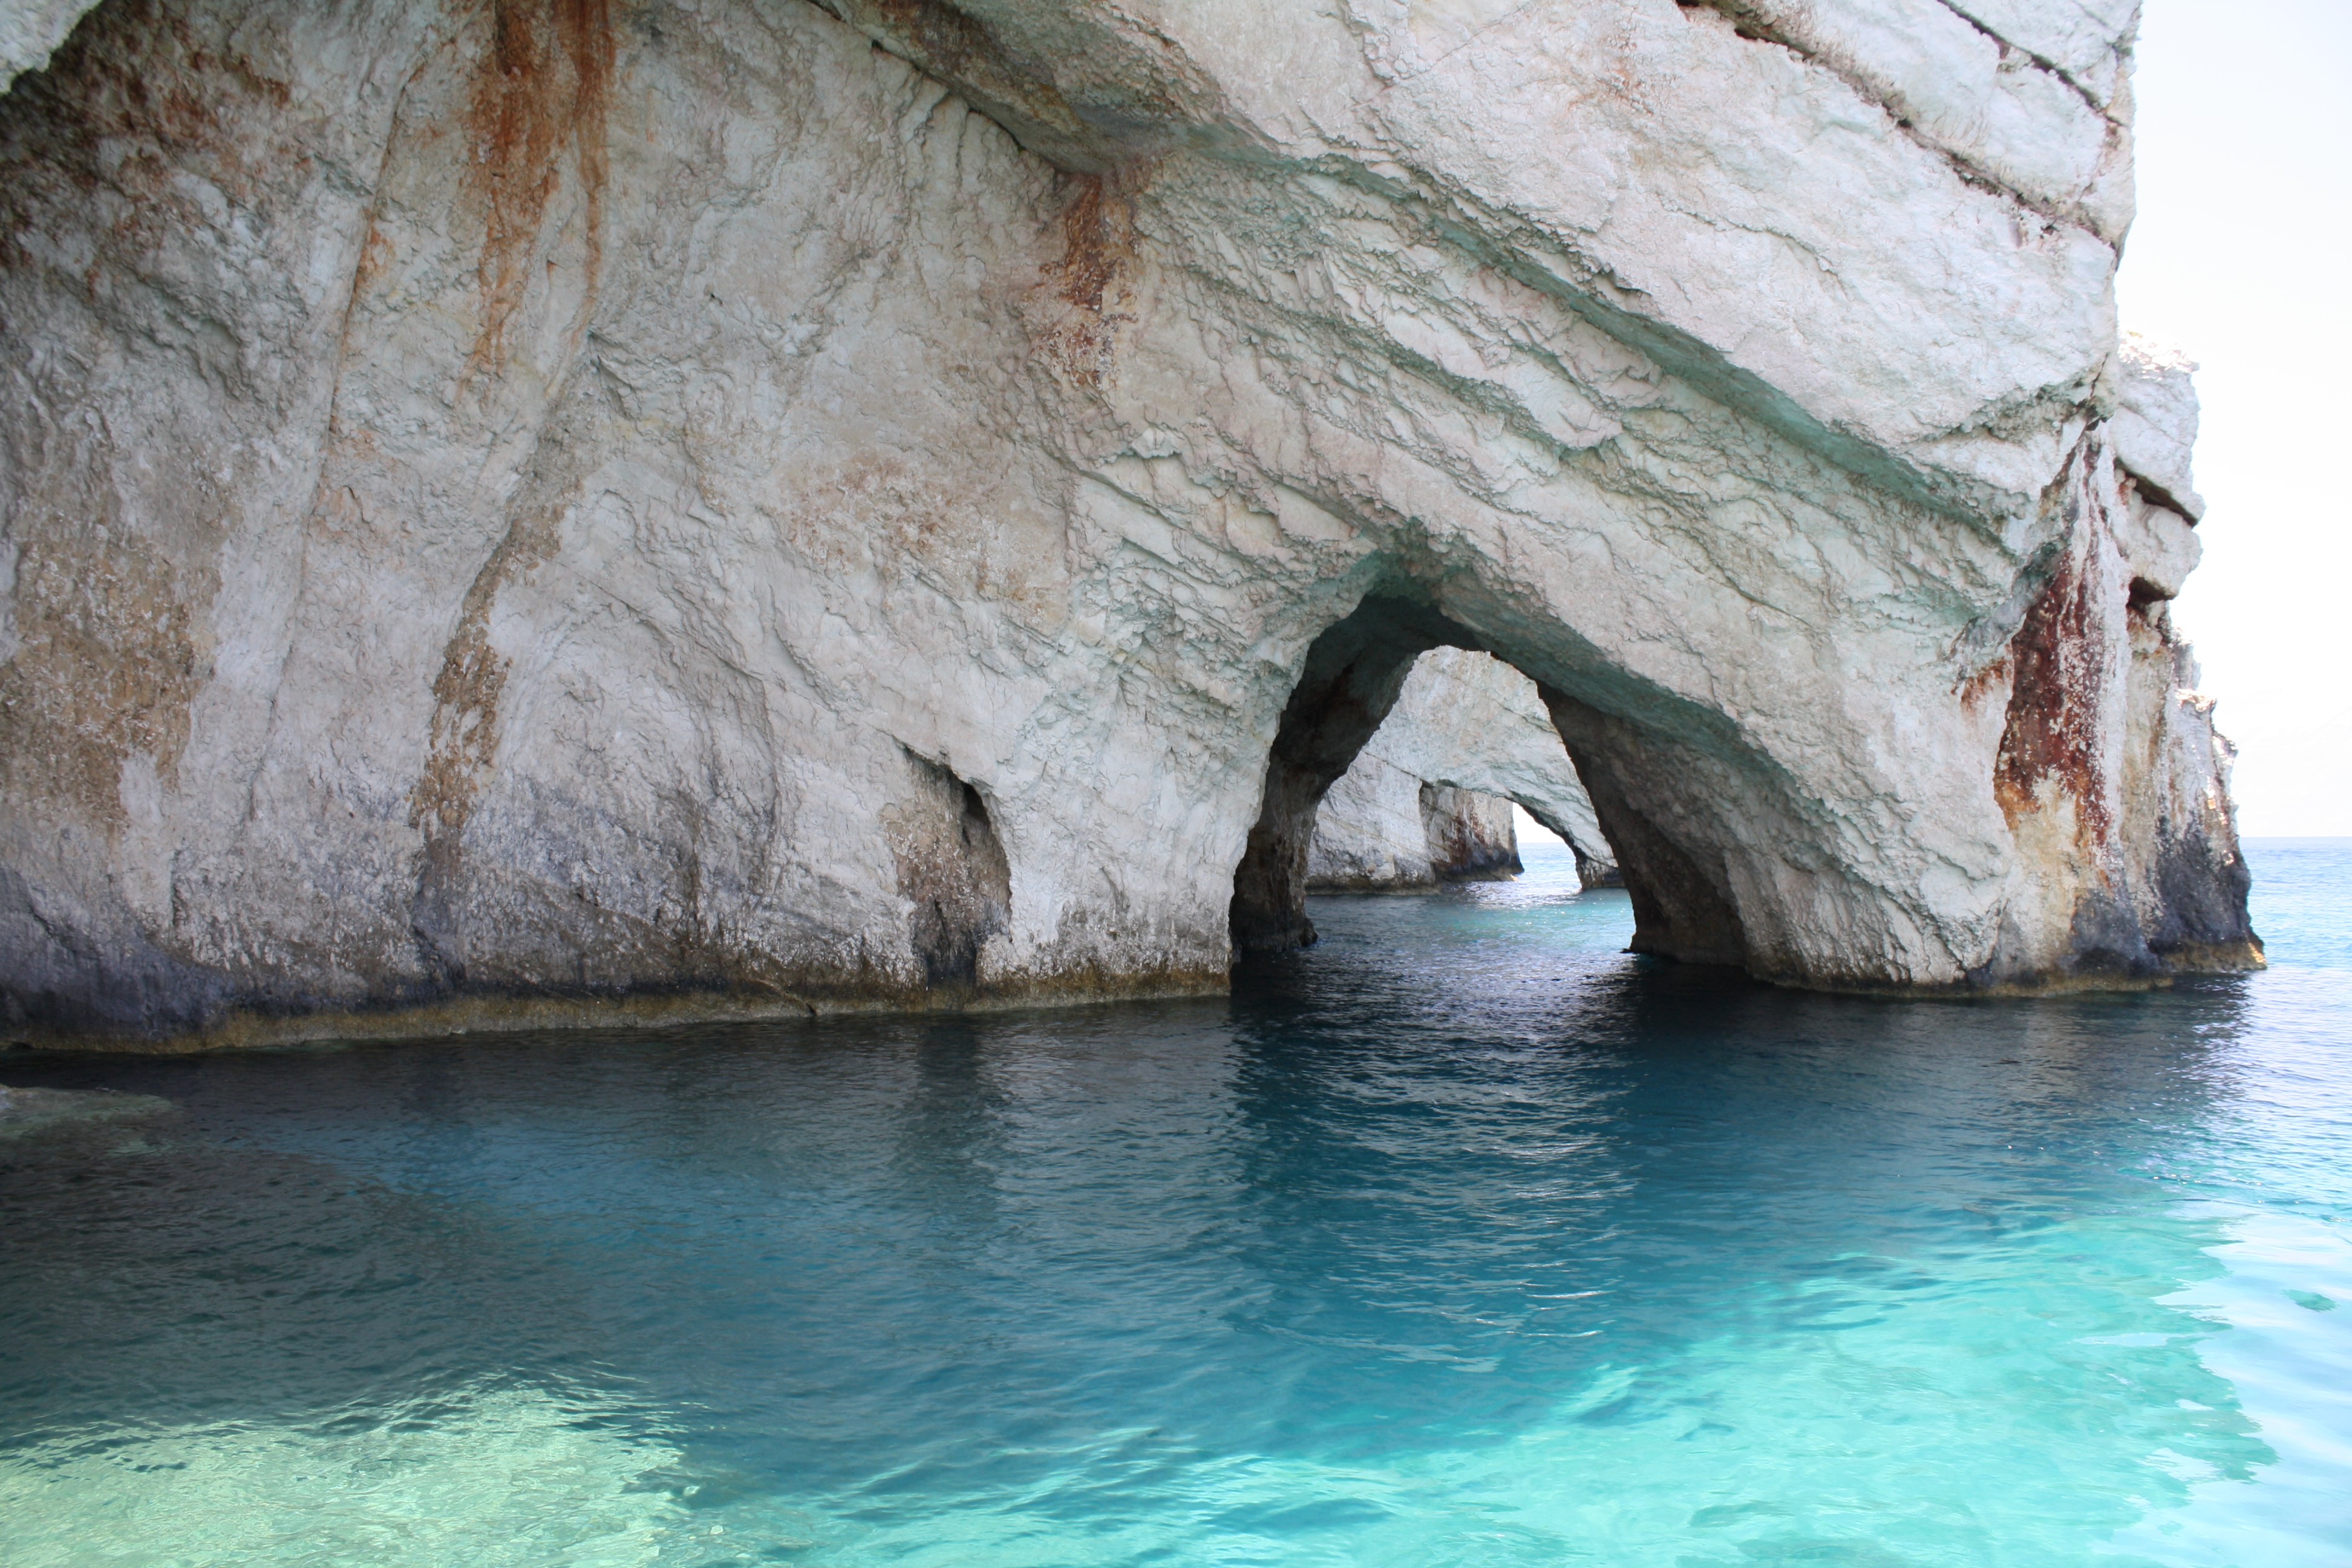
point(2242, 256)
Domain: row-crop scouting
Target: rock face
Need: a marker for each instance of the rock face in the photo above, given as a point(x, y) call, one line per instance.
point(1392, 833)
point(2155, 426)
point(1470, 833)
point(731, 505)
point(1381, 831)
point(1428, 799)
point(30, 31)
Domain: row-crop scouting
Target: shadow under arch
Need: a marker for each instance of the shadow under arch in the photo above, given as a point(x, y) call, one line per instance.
point(1350, 678)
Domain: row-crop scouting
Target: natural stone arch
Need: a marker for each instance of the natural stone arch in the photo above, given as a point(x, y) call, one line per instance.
point(1466, 730)
point(507, 574)
point(1350, 678)
point(1684, 906)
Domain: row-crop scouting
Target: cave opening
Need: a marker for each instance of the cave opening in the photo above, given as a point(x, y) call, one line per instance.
point(1683, 905)
point(1596, 864)
point(953, 865)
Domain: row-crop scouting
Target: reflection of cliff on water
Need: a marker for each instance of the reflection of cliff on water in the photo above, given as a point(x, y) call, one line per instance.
point(1686, 1185)
point(1445, 1202)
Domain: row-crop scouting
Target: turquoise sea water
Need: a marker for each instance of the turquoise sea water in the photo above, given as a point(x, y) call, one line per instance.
point(1460, 1239)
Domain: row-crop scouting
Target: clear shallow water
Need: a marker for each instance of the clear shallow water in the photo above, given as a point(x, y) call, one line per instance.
point(1461, 1238)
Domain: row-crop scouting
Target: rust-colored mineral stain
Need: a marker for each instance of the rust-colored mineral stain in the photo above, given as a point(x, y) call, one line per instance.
point(111, 654)
point(466, 694)
point(2051, 731)
point(1978, 687)
point(131, 103)
point(1098, 229)
point(946, 38)
point(543, 89)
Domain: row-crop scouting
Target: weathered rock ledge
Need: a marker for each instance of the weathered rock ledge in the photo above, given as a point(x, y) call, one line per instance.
point(551, 510)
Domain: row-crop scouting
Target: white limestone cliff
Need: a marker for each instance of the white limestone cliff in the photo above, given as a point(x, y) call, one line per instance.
point(1428, 798)
point(30, 31)
point(1383, 831)
point(2154, 427)
point(546, 510)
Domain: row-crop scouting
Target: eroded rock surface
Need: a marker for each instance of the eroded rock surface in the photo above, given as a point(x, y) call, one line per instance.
point(735, 506)
point(1412, 809)
point(1392, 833)
point(1471, 835)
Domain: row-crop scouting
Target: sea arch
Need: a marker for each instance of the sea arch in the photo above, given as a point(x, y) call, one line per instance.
point(816, 524)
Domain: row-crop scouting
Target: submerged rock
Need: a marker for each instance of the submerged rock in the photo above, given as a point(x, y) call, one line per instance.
point(24, 1110)
point(736, 507)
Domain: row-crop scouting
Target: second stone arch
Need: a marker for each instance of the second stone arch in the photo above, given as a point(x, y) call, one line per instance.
point(1429, 798)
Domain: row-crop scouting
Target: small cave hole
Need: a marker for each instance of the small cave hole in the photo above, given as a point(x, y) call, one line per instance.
point(953, 865)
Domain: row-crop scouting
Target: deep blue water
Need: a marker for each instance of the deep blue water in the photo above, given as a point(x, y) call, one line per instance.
point(1462, 1239)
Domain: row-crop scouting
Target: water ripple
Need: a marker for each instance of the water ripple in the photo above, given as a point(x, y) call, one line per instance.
point(1461, 1238)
